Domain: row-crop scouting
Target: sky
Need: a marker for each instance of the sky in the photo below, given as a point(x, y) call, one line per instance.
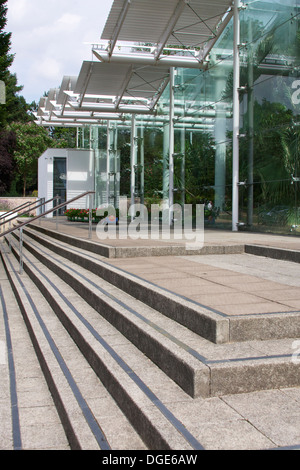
point(49, 40)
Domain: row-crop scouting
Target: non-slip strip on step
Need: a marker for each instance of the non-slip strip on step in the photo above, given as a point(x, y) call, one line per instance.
point(127, 273)
point(88, 255)
point(159, 329)
point(265, 364)
point(193, 442)
point(16, 432)
point(109, 251)
point(95, 428)
point(192, 376)
point(208, 322)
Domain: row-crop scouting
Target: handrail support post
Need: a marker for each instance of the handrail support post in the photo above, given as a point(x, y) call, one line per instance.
point(90, 214)
point(21, 250)
point(56, 213)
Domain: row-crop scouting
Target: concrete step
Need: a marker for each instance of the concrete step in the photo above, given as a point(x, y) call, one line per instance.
point(144, 327)
point(200, 367)
point(102, 402)
point(82, 402)
point(26, 405)
point(208, 323)
point(136, 251)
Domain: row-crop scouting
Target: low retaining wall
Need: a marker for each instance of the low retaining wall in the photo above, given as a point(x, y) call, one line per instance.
point(11, 203)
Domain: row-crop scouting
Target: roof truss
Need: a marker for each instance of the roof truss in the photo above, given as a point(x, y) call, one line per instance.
point(193, 24)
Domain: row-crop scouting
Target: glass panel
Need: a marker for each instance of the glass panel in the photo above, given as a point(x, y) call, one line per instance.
point(204, 114)
point(269, 146)
point(269, 124)
point(59, 181)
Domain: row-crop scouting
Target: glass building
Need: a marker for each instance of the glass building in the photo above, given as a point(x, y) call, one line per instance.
point(226, 134)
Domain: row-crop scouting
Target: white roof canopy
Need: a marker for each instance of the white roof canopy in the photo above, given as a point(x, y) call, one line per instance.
point(104, 91)
point(182, 23)
point(123, 83)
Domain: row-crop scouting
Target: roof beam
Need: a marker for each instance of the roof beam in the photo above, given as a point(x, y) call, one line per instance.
point(159, 93)
point(98, 108)
point(86, 84)
point(118, 27)
point(171, 25)
point(221, 27)
point(124, 86)
point(148, 59)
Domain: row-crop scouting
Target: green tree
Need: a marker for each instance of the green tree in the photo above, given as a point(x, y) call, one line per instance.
point(64, 137)
point(15, 108)
point(6, 59)
point(7, 163)
point(199, 168)
point(32, 141)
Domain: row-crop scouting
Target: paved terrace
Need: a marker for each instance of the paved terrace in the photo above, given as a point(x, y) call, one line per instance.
point(232, 285)
point(232, 282)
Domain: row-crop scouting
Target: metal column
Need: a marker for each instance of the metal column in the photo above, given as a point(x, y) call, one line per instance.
point(108, 148)
point(142, 159)
point(236, 117)
point(116, 170)
point(171, 146)
point(133, 160)
point(250, 125)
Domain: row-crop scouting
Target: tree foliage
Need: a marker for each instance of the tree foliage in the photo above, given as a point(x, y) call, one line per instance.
point(7, 163)
point(31, 142)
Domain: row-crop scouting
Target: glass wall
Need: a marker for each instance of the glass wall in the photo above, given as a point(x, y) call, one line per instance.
point(269, 148)
point(269, 129)
point(269, 140)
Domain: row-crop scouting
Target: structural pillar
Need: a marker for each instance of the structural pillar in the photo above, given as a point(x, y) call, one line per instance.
point(171, 146)
point(250, 126)
point(142, 159)
point(182, 169)
point(116, 169)
point(108, 149)
point(236, 117)
point(133, 161)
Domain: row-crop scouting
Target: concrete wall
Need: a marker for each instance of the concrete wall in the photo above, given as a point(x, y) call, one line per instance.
point(13, 202)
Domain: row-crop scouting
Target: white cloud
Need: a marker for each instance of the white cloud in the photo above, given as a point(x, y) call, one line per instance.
point(68, 22)
point(17, 10)
point(49, 69)
point(48, 39)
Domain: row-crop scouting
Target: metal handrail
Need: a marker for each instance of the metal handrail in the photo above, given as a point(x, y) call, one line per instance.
point(12, 211)
point(25, 212)
point(56, 208)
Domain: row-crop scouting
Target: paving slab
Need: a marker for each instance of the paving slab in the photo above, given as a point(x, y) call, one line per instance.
point(212, 237)
point(256, 420)
point(233, 284)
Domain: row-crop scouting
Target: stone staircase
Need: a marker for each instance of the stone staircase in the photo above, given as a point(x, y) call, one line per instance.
point(116, 350)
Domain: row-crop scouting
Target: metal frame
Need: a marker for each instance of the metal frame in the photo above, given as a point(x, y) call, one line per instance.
point(171, 25)
point(120, 22)
point(39, 204)
point(16, 209)
point(177, 21)
point(236, 117)
point(83, 108)
point(56, 208)
point(171, 146)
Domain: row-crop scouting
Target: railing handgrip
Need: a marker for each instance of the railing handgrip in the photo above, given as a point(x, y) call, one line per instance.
point(59, 206)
